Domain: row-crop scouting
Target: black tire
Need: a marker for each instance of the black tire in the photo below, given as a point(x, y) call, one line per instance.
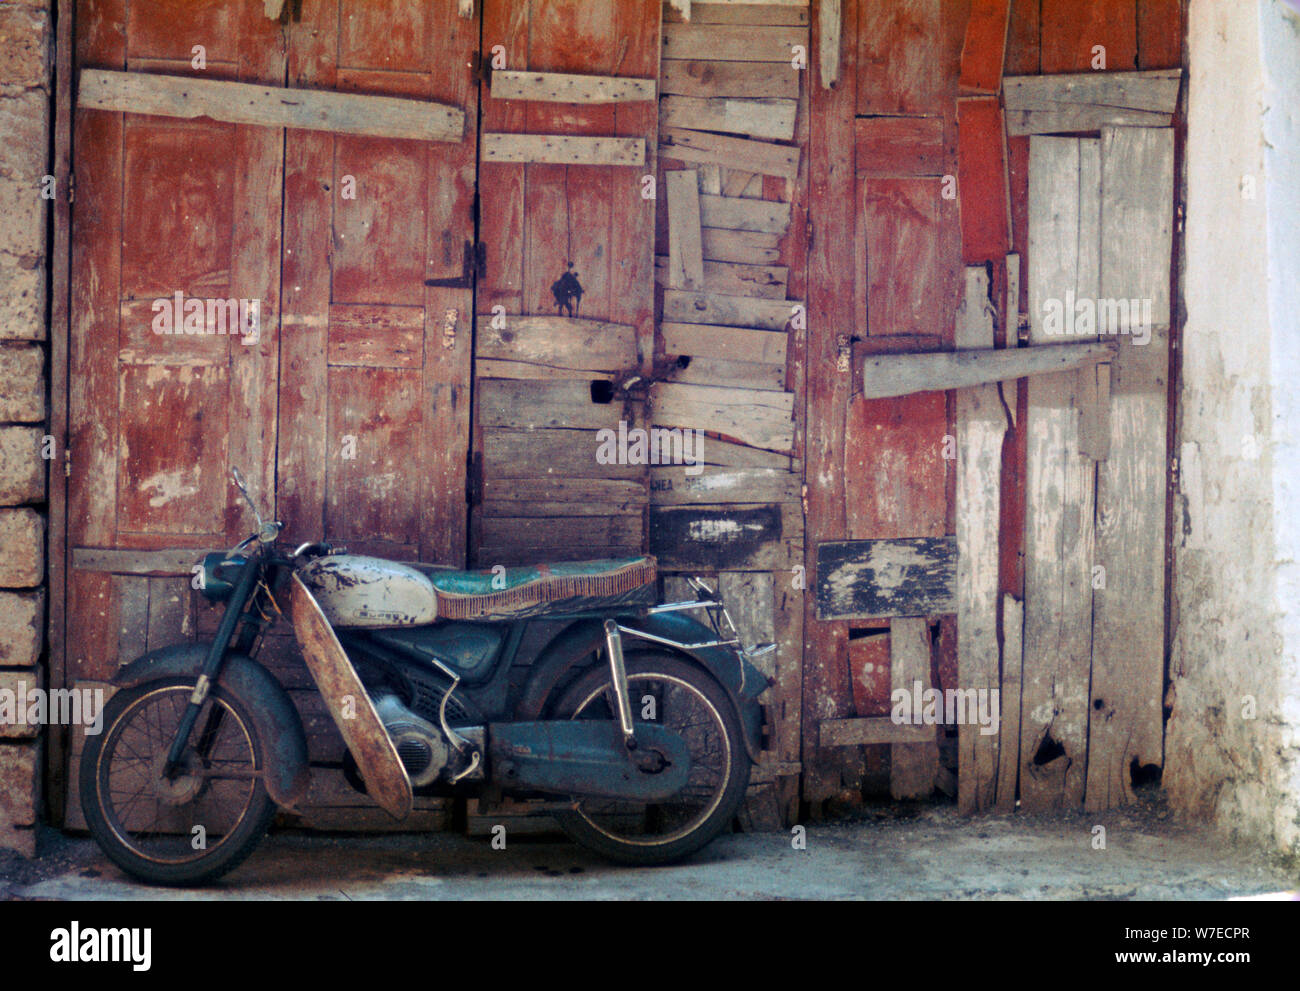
point(589, 824)
point(158, 856)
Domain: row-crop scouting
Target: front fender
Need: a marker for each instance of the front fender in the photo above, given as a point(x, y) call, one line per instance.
point(276, 721)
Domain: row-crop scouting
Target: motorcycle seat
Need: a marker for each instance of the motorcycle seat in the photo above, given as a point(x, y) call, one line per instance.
point(542, 589)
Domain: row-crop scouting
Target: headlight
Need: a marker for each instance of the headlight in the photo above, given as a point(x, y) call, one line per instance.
point(220, 575)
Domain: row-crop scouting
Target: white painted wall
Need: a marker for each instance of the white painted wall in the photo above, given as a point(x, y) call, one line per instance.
point(1237, 532)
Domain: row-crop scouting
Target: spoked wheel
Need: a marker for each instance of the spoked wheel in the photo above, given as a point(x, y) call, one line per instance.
point(680, 697)
point(195, 825)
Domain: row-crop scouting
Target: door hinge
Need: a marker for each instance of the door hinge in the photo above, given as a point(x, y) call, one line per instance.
point(473, 265)
point(67, 463)
point(72, 187)
point(482, 68)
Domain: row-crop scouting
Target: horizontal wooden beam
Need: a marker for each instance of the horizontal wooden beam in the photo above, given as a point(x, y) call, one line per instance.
point(562, 149)
point(1088, 100)
point(269, 106)
point(159, 564)
point(886, 375)
point(563, 87)
point(870, 730)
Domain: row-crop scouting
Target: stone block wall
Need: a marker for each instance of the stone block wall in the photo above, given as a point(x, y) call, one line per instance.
point(26, 71)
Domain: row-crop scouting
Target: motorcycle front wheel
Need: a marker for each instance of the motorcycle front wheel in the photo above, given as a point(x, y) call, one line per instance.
point(196, 825)
point(665, 690)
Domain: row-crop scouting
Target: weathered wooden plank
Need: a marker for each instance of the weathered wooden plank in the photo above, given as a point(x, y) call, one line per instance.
point(132, 596)
point(548, 454)
point(900, 43)
point(912, 766)
point(755, 117)
point(738, 214)
point(984, 49)
point(710, 78)
point(162, 563)
point(743, 247)
point(740, 183)
point(701, 340)
point(685, 247)
point(729, 311)
point(1072, 33)
point(893, 451)
point(169, 600)
point(1013, 627)
point(899, 146)
point(982, 179)
point(725, 373)
point(565, 87)
point(1128, 596)
point(269, 106)
point(758, 417)
point(1012, 306)
point(726, 454)
point(1089, 101)
point(558, 342)
point(734, 279)
point(981, 424)
point(830, 27)
point(1064, 236)
point(869, 730)
point(749, 599)
point(903, 374)
point(1136, 228)
point(685, 145)
point(570, 490)
point(745, 536)
point(376, 336)
point(531, 405)
point(733, 43)
point(744, 12)
point(1094, 411)
point(900, 229)
point(869, 579)
point(562, 149)
point(677, 486)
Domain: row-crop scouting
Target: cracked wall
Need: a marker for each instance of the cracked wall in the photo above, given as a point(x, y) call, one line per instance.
point(1232, 751)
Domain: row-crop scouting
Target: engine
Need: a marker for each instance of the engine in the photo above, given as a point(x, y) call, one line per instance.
point(423, 749)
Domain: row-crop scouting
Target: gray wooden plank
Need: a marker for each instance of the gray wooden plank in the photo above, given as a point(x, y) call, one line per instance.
point(748, 598)
point(869, 730)
point(710, 77)
point(169, 601)
point(685, 247)
point(174, 561)
point(752, 117)
point(132, 594)
point(557, 342)
point(269, 106)
point(729, 311)
point(562, 149)
point(565, 87)
point(1128, 610)
point(981, 424)
point(674, 486)
point(886, 375)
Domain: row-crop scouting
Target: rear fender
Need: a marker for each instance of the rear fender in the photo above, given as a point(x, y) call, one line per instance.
point(276, 721)
point(742, 682)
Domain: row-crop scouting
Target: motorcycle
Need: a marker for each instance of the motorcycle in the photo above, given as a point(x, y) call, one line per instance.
point(633, 723)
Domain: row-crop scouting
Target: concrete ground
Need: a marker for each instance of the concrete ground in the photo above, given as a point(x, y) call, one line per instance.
point(894, 852)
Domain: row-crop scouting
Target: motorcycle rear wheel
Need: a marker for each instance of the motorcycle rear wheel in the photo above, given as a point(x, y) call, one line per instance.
point(684, 698)
point(195, 827)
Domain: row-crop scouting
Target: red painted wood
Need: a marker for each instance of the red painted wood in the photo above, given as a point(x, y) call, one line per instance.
point(826, 691)
point(985, 45)
point(1160, 34)
point(895, 472)
point(982, 179)
point(1071, 30)
point(869, 675)
point(899, 45)
point(1022, 39)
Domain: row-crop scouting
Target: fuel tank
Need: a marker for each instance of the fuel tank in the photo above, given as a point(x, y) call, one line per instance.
point(357, 591)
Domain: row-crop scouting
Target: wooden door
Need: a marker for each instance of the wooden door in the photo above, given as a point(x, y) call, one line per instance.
point(374, 390)
point(166, 207)
point(548, 375)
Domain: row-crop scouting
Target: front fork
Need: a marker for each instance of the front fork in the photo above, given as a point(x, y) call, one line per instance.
point(248, 578)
